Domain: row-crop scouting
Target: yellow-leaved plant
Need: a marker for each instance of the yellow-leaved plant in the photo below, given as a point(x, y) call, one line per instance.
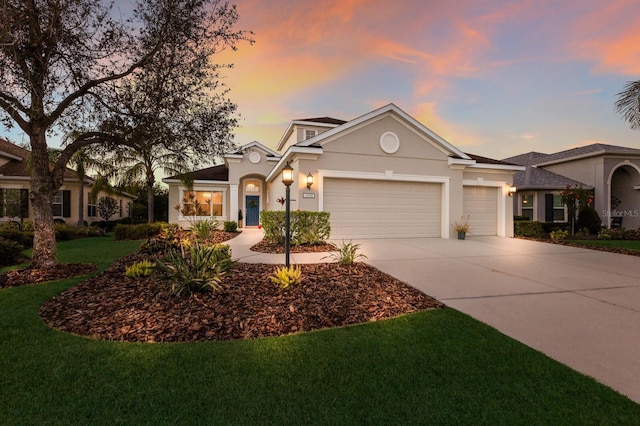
point(286, 277)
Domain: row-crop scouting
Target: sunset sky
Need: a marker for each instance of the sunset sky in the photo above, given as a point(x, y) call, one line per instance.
point(495, 78)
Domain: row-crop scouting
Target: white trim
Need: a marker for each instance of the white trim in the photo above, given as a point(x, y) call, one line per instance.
point(289, 130)
point(497, 167)
point(224, 216)
point(389, 145)
point(611, 173)
point(11, 156)
point(287, 155)
point(389, 176)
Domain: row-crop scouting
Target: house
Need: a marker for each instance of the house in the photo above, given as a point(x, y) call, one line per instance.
point(612, 172)
point(381, 175)
point(15, 184)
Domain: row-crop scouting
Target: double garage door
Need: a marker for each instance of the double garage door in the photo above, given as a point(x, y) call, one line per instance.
point(381, 209)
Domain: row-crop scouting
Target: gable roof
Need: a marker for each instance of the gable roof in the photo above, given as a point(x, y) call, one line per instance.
point(537, 178)
point(323, 120)
point(389, 108)
point(255, 144)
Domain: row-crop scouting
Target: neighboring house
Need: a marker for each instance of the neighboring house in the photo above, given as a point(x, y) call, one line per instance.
point(613, 172)
point(381, 175)
point(15, 184)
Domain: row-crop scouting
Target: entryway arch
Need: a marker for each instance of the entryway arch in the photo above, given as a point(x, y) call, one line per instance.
point(624, 195)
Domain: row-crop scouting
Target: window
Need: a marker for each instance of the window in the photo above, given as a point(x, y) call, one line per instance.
point(526, 206)
point(202, 203)
point(92, 210)
point(308, 134)
point(559, 210)
point(56, 204)
point(14, 203)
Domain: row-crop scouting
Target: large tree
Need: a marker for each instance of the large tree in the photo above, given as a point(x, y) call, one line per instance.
point(173, 112)
point(628, 104)
point(57, 58)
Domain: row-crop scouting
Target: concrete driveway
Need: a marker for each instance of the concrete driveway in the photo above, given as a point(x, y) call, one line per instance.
point(580, 307)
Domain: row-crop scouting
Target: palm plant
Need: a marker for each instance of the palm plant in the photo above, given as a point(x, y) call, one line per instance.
point(628, 103)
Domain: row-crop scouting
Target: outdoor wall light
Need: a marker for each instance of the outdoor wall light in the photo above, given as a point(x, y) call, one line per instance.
point(512, 191)
point(309, 180)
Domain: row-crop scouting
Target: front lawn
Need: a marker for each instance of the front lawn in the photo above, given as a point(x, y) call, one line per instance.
point(615, 244)
point(436, 366)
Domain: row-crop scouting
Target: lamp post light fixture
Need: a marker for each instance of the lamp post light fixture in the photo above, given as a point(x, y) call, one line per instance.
point(287, 179)
point(309, 180)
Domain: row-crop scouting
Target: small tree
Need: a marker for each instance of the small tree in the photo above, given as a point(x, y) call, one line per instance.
point(107, 207)
point(575, 198)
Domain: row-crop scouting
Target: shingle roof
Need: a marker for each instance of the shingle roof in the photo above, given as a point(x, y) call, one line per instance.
point(537, 178)
point(526, 159)
point(218, 173)
point(486, 160)
point(586, 151)
point(18, 168)
point(324, 120)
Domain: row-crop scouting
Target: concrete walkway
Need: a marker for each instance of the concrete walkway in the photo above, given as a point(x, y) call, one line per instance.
point(580, 307)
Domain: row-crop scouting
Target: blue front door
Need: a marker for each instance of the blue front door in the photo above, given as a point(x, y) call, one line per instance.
point(253, 210)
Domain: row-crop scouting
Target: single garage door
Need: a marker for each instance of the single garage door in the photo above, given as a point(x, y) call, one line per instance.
point(481, 204)
point(381, 209)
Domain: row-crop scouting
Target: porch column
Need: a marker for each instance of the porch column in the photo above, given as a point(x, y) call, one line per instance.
point(233, 202)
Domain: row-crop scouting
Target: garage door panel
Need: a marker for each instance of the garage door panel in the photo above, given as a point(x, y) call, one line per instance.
point(380, 209)
point(481, 205)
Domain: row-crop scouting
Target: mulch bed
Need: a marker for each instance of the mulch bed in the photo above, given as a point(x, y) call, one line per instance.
point(28, 276)
point(263, 247)
point(113, 307)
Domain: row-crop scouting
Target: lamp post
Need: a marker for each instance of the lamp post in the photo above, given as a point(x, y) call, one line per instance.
point(287, 179)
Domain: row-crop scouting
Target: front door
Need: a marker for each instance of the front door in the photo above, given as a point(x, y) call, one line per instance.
point(253, 210)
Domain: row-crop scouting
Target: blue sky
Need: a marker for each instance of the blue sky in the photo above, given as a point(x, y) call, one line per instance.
point(495, 78)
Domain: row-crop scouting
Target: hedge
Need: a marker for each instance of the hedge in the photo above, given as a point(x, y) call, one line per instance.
point(307, 228)
point(138, 232)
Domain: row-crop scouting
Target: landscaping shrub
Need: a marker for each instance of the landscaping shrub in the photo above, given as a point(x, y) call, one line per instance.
point(199, 270)
point(588, 218)
point(144, 268)
point(286, 277)
point(347, 254)
point(230, 226)
point(203, 228)
point(619, 234)
point(557, 236)
point(549, 227)
point(306, 227)
point(10, 252)
point(64, 232)
point(138, 232)
point(530, 229)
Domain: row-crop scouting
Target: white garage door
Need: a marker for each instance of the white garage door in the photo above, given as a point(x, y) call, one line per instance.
point(380, 209)
point(481, 204)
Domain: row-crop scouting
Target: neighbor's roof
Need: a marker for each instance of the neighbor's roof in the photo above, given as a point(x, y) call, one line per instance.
point(17, 165)
point(586, 151)
point(537, 178)
point(486, 160)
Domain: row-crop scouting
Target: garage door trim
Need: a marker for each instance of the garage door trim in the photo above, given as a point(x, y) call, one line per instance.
point(390, 176)
point(502, 200)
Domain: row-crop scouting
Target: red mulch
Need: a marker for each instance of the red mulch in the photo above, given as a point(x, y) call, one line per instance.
point(61, 271)
point(113, 307)
point(264, 247)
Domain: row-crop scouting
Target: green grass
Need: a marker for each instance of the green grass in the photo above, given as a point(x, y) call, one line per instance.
point(623, 244)
point(436, 367)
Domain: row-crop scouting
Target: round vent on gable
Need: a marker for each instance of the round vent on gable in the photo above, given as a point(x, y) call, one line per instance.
point(254, 157)
point(389, 142)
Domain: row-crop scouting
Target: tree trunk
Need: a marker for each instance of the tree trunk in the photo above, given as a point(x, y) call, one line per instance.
point(81, 203)
point(42, 189)
point(150, 203)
